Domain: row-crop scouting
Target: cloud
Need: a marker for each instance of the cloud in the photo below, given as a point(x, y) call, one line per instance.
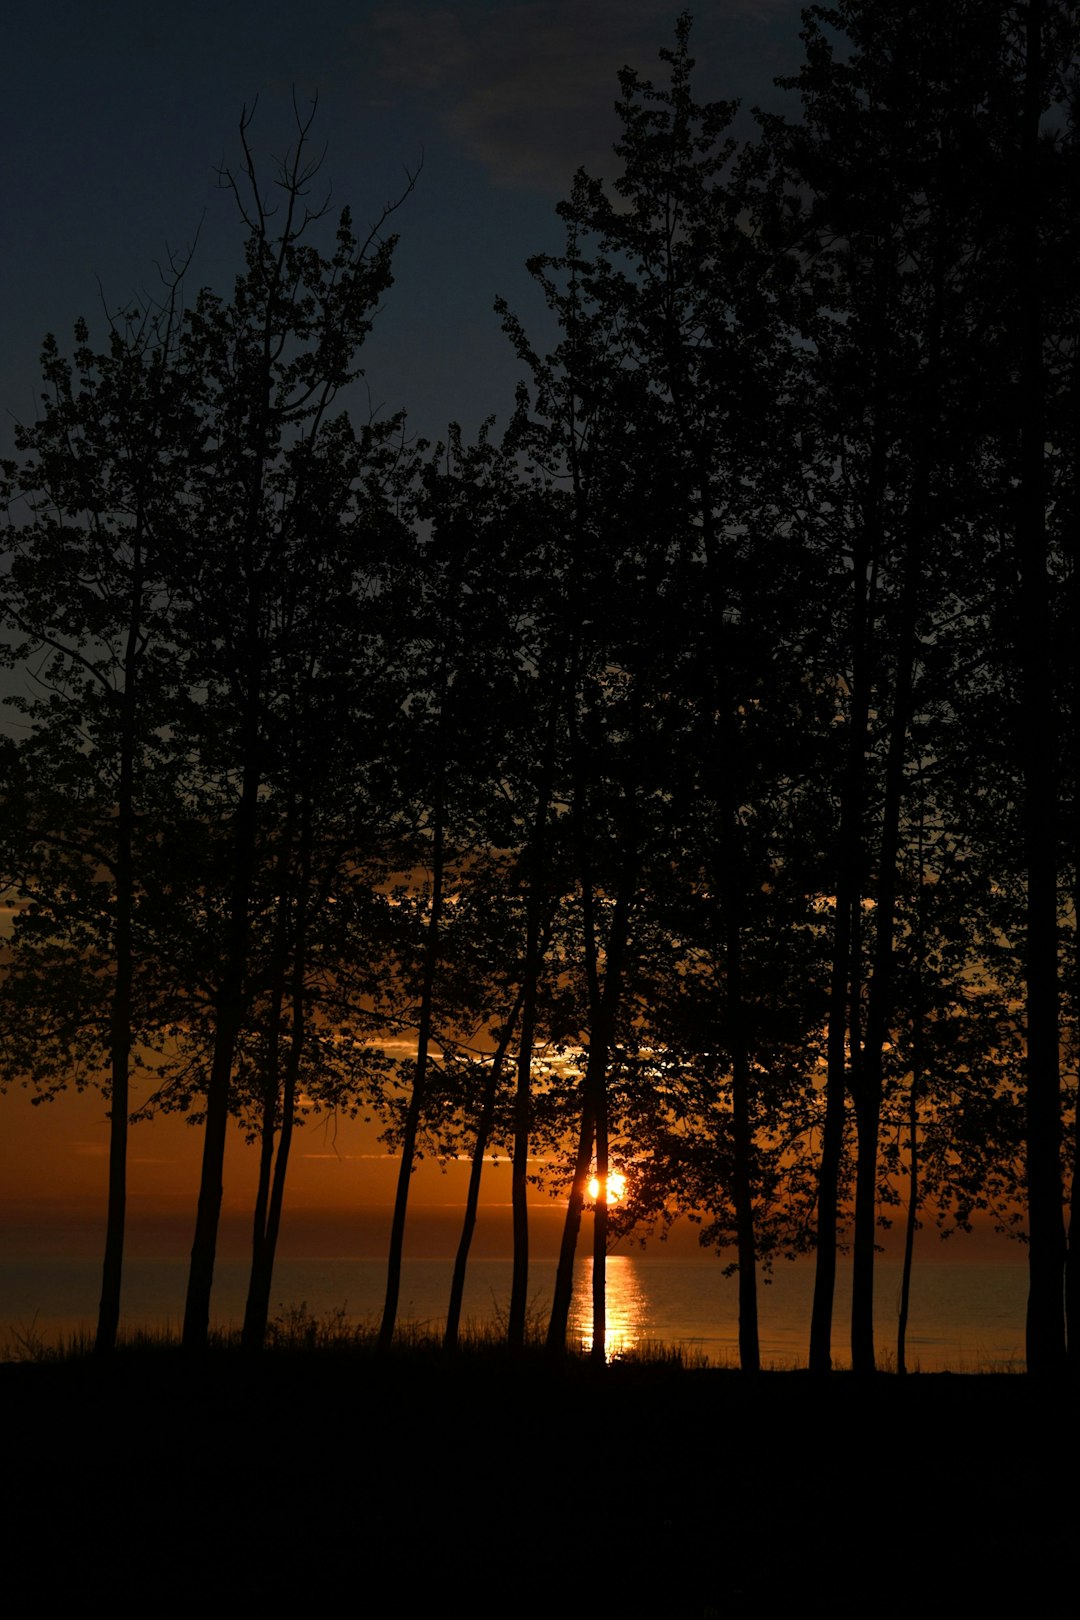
point(528, 89)
point(341, 1158)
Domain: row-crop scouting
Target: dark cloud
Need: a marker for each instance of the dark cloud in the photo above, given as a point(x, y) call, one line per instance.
point(528, 89)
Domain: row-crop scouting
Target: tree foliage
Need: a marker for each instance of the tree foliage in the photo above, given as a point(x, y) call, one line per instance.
point(680, 784)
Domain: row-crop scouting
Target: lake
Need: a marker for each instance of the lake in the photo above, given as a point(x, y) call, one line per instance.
point(965, 1317)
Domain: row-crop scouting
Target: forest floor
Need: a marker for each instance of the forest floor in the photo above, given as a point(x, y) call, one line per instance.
point(481, 1486)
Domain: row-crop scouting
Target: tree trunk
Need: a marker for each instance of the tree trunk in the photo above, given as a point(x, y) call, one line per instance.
point(120, 1031)
point(262, 1271)
point(416, 1099)
point(832, 1145)
point(741, 1112)
point(914, 1093)
point(600, 1231)
point(251, 1336)
point(230, 1014)
point(868, 1092)
point(593, 1094)
point(842, 991)
point(1038, 745)
point(603, 1004)
point(912, 1221)
point(472, 1198)
point(564, 1274)
point(1072, 1254)
point(519, 1289)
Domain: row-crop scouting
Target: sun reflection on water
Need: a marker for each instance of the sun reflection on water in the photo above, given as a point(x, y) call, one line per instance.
point(627, 1306)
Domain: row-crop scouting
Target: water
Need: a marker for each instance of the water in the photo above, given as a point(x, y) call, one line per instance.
point(967, 1317)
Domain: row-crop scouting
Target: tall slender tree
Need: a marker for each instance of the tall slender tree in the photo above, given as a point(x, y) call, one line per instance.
point(271, 362)
point(94, 505)
point(677, 353)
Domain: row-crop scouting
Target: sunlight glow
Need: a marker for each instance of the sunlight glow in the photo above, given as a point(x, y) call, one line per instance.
point(616, 1187)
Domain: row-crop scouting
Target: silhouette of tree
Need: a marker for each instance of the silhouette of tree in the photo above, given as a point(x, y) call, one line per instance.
point(94, 507)
point(1039, 71)
point(191, 494)
point(465, 595)
point(905, 128)
point(492, 556)
point(280, 475)
point(329, 825)
point(673, 385)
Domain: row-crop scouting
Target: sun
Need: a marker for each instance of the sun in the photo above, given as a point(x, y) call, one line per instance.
point(616, 1187)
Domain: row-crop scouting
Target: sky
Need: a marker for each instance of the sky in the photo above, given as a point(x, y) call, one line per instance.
point(119, 120)
point(119, 117)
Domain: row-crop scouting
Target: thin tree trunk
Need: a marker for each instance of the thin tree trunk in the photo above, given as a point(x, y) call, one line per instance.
point(519, 1288)
point(912, 1221)
point(728, 883)
point(250, 1339)
point(258, 1305)
point(416, 1099)
point(519, 1186)
point(842, 991)
point(600, 1232)
point(564, 1274)
point(1038, 743)
point(867, 1053)
point(843, 1039)
point(603, 1002)
point(230, 1000)
point(746, 1246)
point(230, 1013)
point(914, 1094)
point(1072, 1253)
point(593, 1092)
point(867, 1134)
point(742, 1126)
point(832, 1144)
point(254, 1327)
point(472, 1197)
point(204, 1244)
point(868, 1094)
point(121, 1012)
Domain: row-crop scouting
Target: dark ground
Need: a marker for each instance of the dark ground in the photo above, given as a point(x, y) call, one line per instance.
point(418, 1487)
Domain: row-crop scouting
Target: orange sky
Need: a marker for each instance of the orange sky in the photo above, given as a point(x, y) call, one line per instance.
point(341, 1186)
point(53, 1167)
point(338, 1201)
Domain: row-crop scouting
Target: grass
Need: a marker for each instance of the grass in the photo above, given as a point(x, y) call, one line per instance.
point(298, 1332)
point(26, 1342)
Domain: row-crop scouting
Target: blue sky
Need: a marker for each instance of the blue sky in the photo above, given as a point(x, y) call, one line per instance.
point(118, 116)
